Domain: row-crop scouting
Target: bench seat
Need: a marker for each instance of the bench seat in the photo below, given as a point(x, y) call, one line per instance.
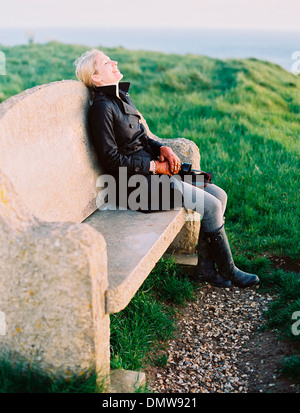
point(135, 242)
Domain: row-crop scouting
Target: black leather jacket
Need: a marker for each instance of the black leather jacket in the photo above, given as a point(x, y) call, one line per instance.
point(117, 132)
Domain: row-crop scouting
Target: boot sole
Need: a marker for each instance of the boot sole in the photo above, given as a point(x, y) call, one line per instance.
point(198, 280)
point(253, 284)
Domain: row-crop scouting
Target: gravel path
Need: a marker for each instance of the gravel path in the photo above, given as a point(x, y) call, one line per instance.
point(218, 349)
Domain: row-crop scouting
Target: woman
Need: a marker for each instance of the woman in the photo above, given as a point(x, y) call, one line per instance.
point(120, 140)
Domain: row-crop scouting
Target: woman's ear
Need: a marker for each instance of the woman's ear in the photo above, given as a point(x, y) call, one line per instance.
point(96, 78)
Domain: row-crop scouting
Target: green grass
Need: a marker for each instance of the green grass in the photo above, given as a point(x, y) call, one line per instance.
point(139, 333)
point(244, 116)
point(291, 367)
point(285, 287)
point(21, 378)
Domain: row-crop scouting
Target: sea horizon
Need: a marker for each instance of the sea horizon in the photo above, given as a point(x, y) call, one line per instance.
point(274, 46)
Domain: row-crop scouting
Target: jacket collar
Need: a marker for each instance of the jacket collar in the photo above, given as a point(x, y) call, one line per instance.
point(113, 91)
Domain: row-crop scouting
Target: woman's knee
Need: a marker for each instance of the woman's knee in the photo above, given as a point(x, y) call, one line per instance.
point(218, 193)
point(223, 199)
point(217, 208)
point(213, 215)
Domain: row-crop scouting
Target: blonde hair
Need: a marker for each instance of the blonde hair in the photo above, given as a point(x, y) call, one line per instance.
point(86, 67)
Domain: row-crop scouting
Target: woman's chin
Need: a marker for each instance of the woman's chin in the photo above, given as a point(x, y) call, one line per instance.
point(120, 76)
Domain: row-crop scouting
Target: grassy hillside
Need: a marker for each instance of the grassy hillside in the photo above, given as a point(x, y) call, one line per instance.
point(244, 115)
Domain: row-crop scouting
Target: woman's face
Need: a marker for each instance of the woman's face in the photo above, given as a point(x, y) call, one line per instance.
point(107, 72)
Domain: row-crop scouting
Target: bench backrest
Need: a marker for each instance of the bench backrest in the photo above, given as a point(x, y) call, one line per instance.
point(45, 151)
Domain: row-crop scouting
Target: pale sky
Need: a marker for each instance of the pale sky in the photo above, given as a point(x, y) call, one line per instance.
point(247, 14)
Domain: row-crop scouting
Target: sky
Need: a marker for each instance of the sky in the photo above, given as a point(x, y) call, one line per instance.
point(230, 14)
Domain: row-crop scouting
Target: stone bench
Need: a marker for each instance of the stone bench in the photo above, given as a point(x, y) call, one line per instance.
point(64, 264)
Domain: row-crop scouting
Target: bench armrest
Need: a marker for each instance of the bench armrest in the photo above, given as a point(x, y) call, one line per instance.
point(53, 278)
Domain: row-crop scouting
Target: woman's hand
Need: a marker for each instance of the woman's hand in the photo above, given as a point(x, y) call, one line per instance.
point(167, 153)
point(162, 168)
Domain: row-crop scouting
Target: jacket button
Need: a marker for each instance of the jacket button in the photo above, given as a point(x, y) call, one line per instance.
point(140, 121)
point(131, 125)
point(137, 169)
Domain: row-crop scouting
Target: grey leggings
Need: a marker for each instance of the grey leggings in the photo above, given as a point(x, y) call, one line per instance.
point(210, 202)
point(215, 200)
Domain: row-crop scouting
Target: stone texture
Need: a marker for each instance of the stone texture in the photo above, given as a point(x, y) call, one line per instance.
point(186, 241)
point(126, 381)
point(135, 242)
point(52, 280)
point(46, 153)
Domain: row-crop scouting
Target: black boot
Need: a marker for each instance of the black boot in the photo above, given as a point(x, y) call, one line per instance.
point(205, 270)
point(221, 253)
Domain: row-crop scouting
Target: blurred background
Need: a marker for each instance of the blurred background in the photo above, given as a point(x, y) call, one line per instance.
point(264, 29)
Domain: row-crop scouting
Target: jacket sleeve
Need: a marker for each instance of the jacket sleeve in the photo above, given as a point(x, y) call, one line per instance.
point(154, 146)
point(101, 120)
